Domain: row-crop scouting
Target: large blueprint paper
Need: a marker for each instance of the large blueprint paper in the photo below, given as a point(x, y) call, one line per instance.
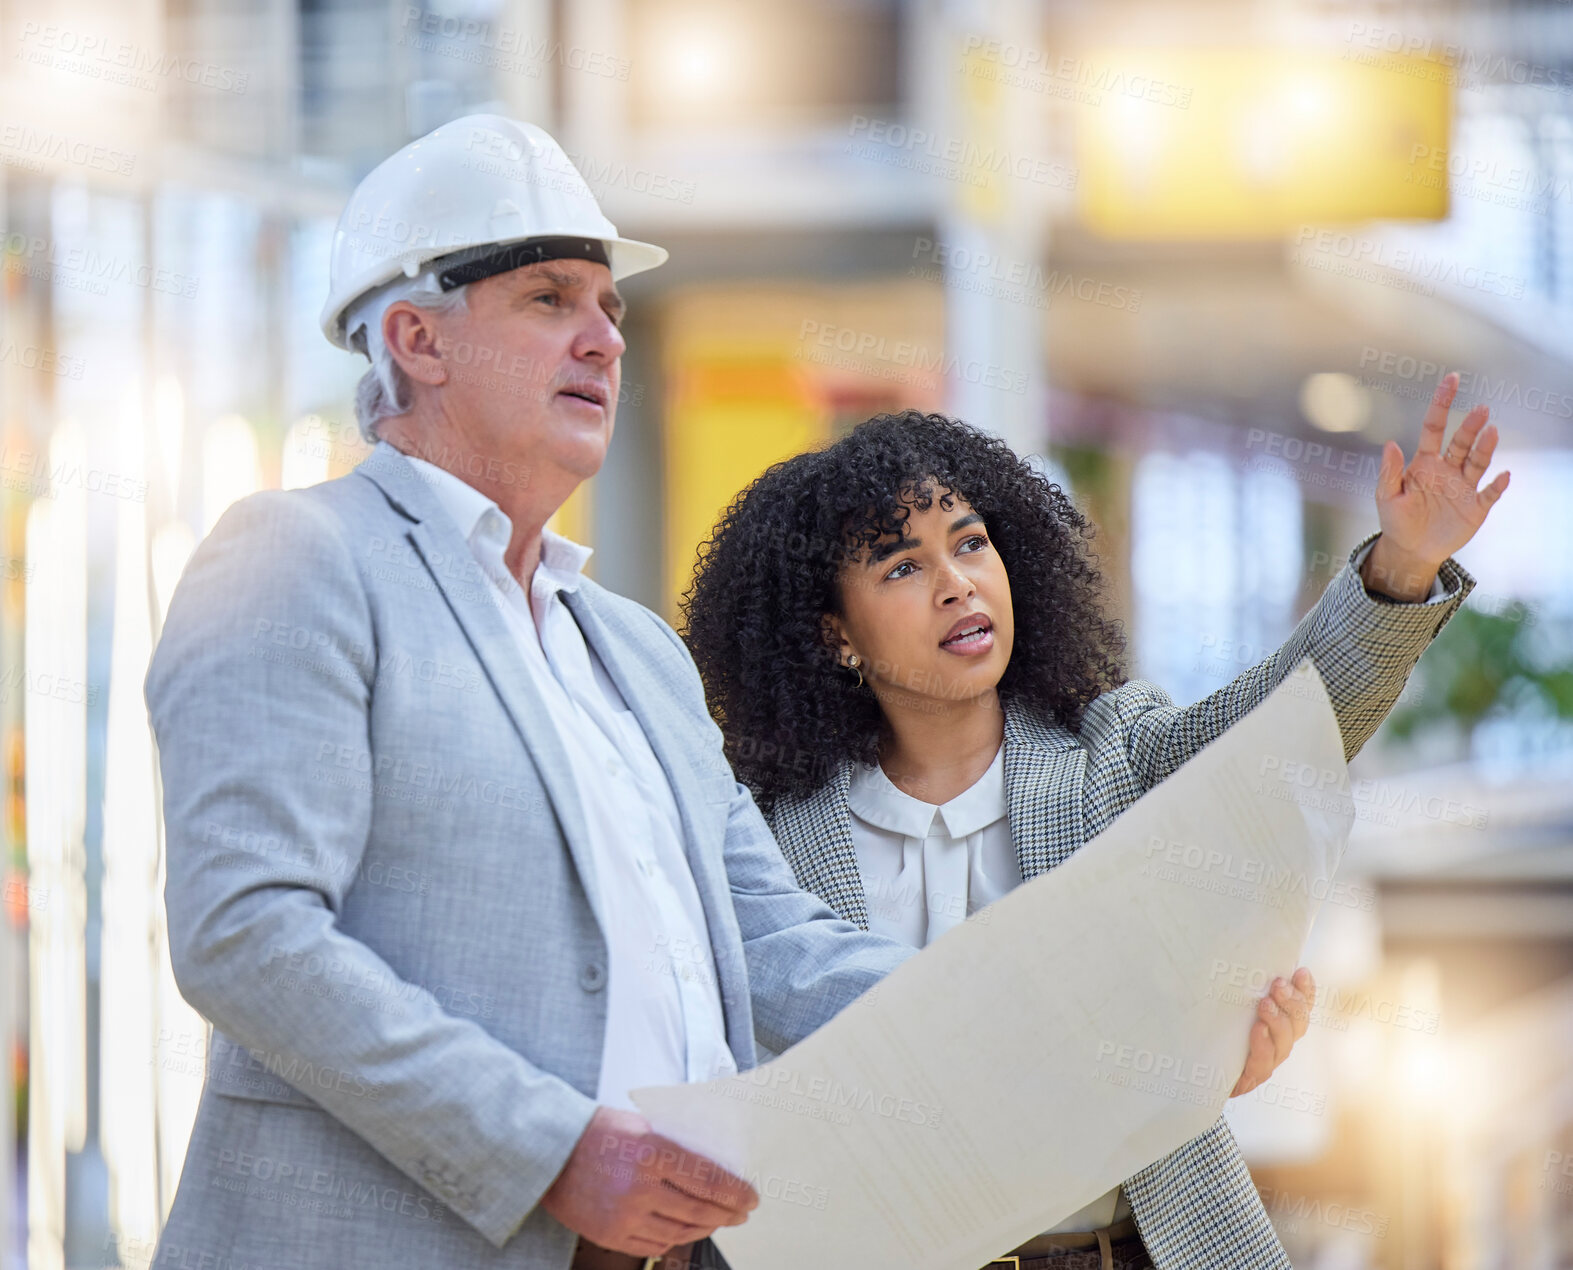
point(1052, 1045)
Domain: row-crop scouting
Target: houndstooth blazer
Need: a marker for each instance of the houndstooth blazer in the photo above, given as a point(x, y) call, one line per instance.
point(1197, 1208)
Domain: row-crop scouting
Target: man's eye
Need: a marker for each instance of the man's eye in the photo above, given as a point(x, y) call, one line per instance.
point(550, 297)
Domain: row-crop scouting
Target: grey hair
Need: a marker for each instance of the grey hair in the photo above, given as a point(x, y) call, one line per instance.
point(384, 390)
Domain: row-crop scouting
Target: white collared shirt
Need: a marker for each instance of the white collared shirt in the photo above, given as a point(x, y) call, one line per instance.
point(664, 1022)
point(926, 868)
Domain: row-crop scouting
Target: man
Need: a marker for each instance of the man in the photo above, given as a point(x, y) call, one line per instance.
point(455, 857)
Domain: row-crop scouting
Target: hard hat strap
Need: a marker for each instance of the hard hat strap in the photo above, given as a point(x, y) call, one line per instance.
point(467, 266)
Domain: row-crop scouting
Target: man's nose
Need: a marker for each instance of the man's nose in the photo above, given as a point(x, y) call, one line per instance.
point(601, 339)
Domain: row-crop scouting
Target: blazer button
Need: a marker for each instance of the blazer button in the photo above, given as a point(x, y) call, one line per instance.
point(593, 977)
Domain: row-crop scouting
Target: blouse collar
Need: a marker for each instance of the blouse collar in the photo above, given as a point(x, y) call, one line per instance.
point(875, 799)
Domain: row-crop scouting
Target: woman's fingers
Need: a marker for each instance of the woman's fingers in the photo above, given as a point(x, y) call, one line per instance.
point(1458, 448)
point(1283, 1016)
point(1484, 446)
point(1291, 998)
point(1436, 417)
point(1390, 474)
point(1258, 1060)
point(1493, 491)
point(1279, 1026)
point(1479, 456)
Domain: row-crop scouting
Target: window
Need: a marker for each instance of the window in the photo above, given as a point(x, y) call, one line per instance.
point(1216, 566)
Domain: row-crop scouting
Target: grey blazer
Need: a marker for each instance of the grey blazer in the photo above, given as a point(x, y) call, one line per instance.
point(379, 891)
point(1196, 1208)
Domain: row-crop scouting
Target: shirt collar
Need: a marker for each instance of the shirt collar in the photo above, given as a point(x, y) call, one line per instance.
point(464, 503)
point(875, 799)
point(980, 804)
point(562, 559)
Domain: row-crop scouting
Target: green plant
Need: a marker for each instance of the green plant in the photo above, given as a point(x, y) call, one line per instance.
point(1483, 664)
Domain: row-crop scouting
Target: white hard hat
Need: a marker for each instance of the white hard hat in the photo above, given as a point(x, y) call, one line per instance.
point(481, 194)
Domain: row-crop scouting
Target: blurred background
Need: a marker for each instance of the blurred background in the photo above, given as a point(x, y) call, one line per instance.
point(1202, 259)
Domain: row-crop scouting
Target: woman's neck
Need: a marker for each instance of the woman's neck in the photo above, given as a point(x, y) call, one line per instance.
point(932, 753)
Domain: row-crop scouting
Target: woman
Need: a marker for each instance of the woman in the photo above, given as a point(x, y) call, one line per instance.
point(919, 752)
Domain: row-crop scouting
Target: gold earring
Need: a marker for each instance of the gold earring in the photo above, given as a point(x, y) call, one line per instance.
point(853, 663)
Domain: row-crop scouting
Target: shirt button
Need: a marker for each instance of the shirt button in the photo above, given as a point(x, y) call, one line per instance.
point(613, 768)
point(593, 977)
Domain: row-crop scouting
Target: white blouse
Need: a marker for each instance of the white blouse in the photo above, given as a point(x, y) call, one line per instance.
point(925, 868)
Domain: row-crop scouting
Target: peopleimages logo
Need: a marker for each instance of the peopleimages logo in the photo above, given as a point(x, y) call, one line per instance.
point(1424, 56)
point(34, 143)
point(506, 44)
point(1489, 169)
point(784, 1083)
point(122, 61)
point(872, 350)
point(1024, 66)
point(1366, 793)
point(971, 160)
point(1393, 263)
point(957, 264)
point(1472, 385)
point(29, 252)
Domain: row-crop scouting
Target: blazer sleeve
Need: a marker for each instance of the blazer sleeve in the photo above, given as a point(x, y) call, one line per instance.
point(1197, 1208)
point(805, 963)
point(237, 713)
point(1363, 645)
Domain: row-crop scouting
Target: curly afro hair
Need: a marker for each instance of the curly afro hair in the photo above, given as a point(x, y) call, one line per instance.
point(769, 572)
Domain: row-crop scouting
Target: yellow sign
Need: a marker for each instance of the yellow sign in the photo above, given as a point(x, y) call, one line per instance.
point(1243, 143)
point(733, 412)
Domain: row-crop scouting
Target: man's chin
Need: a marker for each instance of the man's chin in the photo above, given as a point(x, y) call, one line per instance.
point(583, 458)
point(581, 441)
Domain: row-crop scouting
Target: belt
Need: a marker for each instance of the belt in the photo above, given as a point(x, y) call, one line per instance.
point(1117, 1246)
point(589, 1256)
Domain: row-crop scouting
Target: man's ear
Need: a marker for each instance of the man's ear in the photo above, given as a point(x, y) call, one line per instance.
point(411, 338)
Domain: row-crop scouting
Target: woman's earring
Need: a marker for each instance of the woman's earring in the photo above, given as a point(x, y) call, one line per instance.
point(854, 662)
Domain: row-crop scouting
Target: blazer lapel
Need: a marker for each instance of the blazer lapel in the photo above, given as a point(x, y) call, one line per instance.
point(447, 558)
point(815, 833)
point(1045, 766)
point(607, 632)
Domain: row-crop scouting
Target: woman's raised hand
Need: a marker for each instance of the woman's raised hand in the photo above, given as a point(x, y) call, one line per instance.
point(1432, 507)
